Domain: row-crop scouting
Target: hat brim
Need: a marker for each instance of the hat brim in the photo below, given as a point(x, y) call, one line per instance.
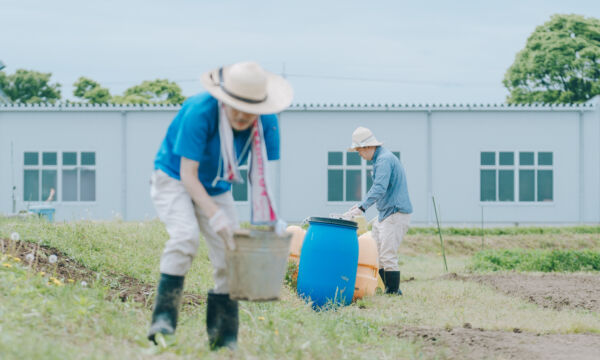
point(279, 94)
point(375, 143)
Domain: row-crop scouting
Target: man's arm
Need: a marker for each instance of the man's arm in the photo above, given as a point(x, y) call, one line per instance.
point(218, 220)
point(189, 178)
point(380, 185)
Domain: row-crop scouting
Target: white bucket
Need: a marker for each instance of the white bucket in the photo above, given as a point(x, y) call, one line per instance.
point(257, 265)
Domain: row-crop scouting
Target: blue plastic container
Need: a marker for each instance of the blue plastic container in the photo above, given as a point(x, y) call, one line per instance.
point(328, 262)
point(43, 210)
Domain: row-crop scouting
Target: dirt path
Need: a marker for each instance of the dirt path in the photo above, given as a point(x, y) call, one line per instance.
point(555, 291)
point(120, 286)
point(467, 343)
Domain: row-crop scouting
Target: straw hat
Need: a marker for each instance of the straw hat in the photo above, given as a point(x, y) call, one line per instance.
point(362, 137)
point(247, 87)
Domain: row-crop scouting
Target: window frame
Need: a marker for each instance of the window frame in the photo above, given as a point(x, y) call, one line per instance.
point(59, 168)
point(516, 167)
point(40, 167)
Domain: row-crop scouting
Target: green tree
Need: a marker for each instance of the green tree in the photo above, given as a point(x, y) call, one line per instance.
point(160, 91)
point(29, 87)
point(559, 64)
point(91, 91)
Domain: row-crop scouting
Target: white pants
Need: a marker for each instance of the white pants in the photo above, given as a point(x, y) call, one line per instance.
point(184, 221)
point(388, 235)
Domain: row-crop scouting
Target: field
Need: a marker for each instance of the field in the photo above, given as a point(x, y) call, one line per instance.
point(95, 301)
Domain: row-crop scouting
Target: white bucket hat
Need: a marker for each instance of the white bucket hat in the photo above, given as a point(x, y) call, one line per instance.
point(247, 87)
point(362, 137)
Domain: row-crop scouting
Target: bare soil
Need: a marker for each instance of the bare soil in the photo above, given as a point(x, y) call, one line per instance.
point(552, 290)
point(468, 343)
point(120, 286)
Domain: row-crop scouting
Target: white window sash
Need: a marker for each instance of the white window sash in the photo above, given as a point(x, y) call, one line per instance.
point(516, 176)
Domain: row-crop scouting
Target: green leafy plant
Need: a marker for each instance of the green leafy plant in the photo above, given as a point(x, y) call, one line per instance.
point(536, 260)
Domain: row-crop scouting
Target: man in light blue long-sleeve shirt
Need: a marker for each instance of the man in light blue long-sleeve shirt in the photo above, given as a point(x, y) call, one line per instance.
point(390, 192)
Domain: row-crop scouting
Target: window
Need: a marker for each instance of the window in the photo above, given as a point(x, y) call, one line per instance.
point(504, 179)
point(79, 176)
point(40, 176)
point(349, 177)
point(44, 171)
point(240, 191)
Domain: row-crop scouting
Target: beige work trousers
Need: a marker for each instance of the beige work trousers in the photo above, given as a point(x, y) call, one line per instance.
point(388, 235)
point(184, 222)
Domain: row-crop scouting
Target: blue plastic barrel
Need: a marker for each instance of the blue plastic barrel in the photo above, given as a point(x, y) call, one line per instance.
point(43, 211)
point(328, 262)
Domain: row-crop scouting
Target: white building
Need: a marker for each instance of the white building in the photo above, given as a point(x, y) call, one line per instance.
point(513, 164)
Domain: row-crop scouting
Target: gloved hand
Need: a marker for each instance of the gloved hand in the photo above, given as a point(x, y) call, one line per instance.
point(223, 226)
point(354, 211)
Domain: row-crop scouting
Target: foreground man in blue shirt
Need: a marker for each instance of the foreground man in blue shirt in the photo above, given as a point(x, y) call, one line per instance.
point(191, 185)
point(390, 193)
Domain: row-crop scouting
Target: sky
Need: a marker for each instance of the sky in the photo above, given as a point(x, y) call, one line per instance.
point(331, 51)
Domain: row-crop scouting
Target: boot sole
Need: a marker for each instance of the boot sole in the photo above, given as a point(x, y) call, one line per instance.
point(162, 327)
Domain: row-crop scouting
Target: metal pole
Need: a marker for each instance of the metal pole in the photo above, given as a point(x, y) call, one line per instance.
point(429, 162)
point(12, 177)
point(124, 166)
point(581, 169)
point(439, 232)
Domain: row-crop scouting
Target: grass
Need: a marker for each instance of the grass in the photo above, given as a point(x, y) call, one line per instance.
point(537, 260)
point(528, 230)
point(44, 321)
point(132, 249)
point(41, 320)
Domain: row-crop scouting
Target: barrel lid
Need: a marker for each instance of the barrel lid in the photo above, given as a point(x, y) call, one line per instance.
point(331, 221)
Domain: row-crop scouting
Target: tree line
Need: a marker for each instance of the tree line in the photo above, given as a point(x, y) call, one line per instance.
point(33, 87)
point(559, 64)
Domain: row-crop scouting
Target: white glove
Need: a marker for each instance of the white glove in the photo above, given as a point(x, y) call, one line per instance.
point(280, 227)
point(354, 211)
point(221, 224)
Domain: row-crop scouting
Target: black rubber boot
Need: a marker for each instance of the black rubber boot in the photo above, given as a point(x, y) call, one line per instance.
point(382, 276)
point(392, 282)
point(166, 307)
point(222, 321)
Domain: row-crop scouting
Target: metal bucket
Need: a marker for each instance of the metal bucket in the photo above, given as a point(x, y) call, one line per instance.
point(257, 265)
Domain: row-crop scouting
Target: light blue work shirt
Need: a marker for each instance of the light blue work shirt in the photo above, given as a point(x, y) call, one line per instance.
point(194, 134)
point(389, 189)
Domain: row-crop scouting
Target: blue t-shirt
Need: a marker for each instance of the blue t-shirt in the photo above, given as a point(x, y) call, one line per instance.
point(194, 134)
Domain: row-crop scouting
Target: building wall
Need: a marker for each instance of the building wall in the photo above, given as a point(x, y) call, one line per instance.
point(439, 148)
point(57, 131)
point(460, 137)
point(591, 165)
point(144, 133)
point(307, 137)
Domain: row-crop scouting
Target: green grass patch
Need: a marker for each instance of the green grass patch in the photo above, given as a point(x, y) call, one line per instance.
point(43, 321)
point(536, 260)
point(516, 230)
point(44, 318)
